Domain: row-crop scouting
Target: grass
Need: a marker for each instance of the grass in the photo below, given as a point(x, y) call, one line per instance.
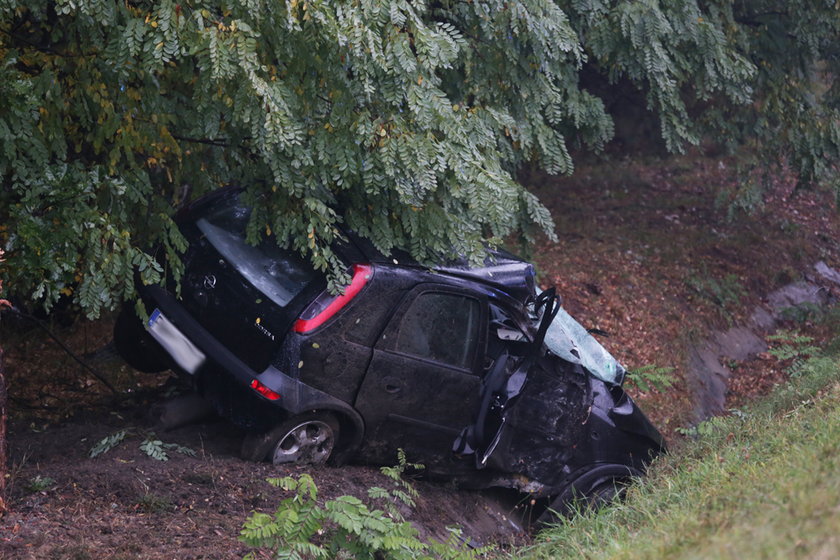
point(764, 483)
point(154, 503)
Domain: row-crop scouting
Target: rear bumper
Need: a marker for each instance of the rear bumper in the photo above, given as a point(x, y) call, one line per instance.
point(226, 381)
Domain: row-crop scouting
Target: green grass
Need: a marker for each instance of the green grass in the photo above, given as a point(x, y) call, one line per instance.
point(761, 484)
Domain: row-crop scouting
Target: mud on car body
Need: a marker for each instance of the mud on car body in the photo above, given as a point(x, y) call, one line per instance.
point(467, 369)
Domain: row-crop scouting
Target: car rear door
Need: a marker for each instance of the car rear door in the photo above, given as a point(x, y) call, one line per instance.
point(423, 383)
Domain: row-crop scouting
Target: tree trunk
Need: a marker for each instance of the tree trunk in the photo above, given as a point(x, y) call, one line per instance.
point(3, 466)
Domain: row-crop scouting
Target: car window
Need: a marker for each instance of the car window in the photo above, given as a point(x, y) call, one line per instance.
point(441, 327)
point(277, 273)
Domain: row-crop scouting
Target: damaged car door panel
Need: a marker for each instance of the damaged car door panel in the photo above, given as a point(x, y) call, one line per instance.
point(469, 370)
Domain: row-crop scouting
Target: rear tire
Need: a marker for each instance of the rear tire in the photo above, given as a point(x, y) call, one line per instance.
point(136, 346)
point(307, 438)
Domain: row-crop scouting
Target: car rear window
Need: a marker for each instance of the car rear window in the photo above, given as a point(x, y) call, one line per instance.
point(278, 273)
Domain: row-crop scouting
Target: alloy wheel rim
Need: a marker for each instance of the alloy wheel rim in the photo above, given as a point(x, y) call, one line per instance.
point(308, 442)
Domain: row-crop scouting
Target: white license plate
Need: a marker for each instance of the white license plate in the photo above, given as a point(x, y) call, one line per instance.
point(181, 348)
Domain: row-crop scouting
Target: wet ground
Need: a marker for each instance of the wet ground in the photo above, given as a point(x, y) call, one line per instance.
point(125, 504)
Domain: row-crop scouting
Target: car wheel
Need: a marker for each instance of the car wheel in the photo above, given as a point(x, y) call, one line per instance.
point(136, 346)
point(307, 438)
point(602, 494)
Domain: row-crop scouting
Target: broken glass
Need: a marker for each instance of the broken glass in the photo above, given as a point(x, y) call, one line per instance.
point(569, 340)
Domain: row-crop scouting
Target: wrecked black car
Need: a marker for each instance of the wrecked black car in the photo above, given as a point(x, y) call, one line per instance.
point(469, 370)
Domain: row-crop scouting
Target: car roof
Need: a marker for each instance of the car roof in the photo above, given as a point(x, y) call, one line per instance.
point(502, 270)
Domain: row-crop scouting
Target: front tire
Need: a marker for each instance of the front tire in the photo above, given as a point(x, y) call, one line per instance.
point(599, 493)
point(308, 438)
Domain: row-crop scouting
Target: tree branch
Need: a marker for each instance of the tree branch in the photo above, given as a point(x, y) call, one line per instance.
point(218, 142)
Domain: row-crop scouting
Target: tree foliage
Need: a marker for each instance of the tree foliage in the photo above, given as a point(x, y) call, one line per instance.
point(405, 121)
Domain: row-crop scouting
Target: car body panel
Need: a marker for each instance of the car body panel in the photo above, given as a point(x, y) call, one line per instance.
point(423, 379)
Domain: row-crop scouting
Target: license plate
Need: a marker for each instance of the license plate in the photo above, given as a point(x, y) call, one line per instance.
point(181, 348)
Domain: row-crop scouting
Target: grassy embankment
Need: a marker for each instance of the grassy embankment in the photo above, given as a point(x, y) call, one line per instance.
point(761, 483)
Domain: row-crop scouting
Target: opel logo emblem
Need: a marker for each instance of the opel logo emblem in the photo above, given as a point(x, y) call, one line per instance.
point(209, 281)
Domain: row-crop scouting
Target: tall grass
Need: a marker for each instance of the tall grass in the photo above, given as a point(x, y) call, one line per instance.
point(761, 484)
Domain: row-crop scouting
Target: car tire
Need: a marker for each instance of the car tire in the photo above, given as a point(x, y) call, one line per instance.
point(136, 346)
point(602, 494)
point(307, 438)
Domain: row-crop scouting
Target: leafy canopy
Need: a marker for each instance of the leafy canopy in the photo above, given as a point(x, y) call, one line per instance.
point(405, 121)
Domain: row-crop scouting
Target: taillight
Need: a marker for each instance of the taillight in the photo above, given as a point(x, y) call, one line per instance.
point(321, 310)
point(264, 391)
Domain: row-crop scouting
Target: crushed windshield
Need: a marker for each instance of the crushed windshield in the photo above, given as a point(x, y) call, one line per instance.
point(569, 340)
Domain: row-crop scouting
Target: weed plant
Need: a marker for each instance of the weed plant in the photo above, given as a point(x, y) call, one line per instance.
point(651, 377)
point(154, 503)
point(725, 294)
point(39, 484)
point(151, 446)
point(304, 527)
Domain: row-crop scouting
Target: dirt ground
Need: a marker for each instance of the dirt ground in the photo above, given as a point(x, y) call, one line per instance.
point(646, 253)
point(124, 504)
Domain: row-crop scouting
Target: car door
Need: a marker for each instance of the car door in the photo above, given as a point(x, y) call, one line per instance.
point(423, 386)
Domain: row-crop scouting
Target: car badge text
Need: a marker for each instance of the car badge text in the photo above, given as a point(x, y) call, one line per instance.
point(262, 329)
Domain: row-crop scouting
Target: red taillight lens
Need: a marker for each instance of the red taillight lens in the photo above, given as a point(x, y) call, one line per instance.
point(361, 274)
point(264, 391)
